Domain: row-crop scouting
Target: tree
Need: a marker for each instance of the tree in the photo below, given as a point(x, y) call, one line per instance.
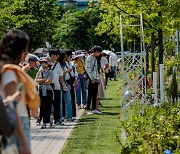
point(158, 16)
point(36, 17)
point(77, 30)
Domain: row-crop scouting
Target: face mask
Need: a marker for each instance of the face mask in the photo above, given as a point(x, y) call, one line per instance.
point(44, 65)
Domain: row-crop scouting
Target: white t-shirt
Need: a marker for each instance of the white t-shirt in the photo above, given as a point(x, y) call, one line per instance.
point(73, 67)
point(10, 76)
point(57, 72)
point(113, 60)
point(104, 62)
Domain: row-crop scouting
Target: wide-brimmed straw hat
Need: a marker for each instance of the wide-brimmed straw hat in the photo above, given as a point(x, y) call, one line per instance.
point(78, 53)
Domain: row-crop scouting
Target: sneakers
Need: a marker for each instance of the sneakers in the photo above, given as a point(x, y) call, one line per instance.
point(43, 126)
point(89, 112)
point(96, 112)
point(70, 120)
point(79, 106)
point(38, 121)
point(58, 122)
point(84, 106)
point(74, 118)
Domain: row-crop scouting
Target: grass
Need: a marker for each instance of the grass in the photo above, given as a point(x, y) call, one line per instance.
point(96, 134)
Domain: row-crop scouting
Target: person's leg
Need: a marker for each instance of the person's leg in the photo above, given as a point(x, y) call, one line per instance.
point(115, 72)
point(68, 104)
point(78, 97)
point(47, 106)
point(73, 101)
point(56, 105)
point(84, 96)
point(78, 92)
point(106, 78)
point(97, 103)
point(94, 97)
point(61, 105)
point(26, 128)
point(41, 108)
point(90, 94)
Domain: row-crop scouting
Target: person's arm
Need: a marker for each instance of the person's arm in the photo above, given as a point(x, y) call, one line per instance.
point(68, 71)
point(38, 79)
point(89, 66)
point(49, 78)
point(26, 68)
point(47, 81)
point(61, 78)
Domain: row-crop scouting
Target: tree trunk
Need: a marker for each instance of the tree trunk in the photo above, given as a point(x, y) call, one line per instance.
point(147, 65)
point(152, 54)
point(147, 60)
point(160, 44)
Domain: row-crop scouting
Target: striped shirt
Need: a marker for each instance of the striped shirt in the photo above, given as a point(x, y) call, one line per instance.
point(92, 68)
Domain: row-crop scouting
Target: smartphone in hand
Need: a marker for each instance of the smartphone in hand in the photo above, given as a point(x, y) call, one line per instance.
point(20, 87)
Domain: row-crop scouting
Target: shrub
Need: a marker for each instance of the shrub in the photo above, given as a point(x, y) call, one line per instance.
point(151, 129)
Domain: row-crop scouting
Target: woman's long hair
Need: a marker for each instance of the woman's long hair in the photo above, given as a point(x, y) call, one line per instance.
point(62, 57)
point(99, 62)
point(12, 46)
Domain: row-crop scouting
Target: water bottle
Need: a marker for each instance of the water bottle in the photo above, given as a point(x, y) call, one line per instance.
point(168, 151)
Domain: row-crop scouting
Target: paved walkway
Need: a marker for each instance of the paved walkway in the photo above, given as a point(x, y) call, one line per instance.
point(51, 140)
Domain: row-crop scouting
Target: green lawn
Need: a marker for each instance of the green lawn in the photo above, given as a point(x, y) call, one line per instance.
point(96, 134)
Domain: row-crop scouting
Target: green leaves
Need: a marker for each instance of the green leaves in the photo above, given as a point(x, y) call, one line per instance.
point(36, 17)
point(154, 131)
point(111, 9)
point(77, 30)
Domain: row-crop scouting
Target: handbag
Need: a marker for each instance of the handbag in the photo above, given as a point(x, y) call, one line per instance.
point(111, 74)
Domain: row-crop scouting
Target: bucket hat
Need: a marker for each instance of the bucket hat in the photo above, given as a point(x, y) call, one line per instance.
point(78, 53)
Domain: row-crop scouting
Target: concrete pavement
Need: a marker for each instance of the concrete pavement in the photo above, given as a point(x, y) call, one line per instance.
point(52, 139)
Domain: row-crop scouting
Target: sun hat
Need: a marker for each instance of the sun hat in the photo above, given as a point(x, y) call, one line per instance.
point(78, 53)
point(45, 59)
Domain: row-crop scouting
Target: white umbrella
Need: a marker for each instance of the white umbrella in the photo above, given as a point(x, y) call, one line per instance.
point(108, 52)
point(41, 51)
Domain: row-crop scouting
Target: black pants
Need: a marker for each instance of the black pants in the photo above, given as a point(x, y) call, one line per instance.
point(56, 105)
point(106, 78)
point(46, 105)
point(63, 107)
point(92, 95)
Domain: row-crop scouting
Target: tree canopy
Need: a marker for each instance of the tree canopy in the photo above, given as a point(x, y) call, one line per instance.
point(36, 17)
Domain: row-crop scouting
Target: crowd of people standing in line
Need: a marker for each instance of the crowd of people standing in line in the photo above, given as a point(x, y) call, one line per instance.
point(57, 84)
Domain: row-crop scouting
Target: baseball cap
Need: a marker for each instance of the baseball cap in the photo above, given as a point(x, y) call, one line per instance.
point(33, 59)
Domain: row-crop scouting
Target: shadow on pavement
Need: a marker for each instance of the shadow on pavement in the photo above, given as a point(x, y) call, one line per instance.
point(111, 113)
point(112, 107)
